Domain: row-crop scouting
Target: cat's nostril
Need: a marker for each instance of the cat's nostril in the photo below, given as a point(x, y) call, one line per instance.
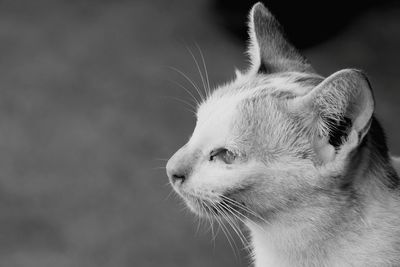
point(178, 178)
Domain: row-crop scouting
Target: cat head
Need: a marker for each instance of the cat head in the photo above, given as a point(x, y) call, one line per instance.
point(275, 134)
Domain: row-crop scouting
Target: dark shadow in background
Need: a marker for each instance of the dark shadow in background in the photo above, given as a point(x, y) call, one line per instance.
point(306, 23)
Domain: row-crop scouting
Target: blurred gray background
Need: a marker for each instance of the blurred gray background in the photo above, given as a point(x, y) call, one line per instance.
point(88, 119)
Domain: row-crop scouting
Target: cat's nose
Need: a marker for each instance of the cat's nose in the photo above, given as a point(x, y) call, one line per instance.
point(176, 172)
point(179, 166)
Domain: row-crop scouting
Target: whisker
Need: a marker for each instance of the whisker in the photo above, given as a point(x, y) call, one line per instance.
point(181, 100)
point(159, 168)
point(185, 102)
point(187, 91)
point(210, 220)
point(238, 231)
point(190, 81)
point(200, 72)
point(161, 159)
point(198, 218)
point(228, 235)
point(239, 205)
point(246, 209)
point(213, 234)
point(205, 69)
point(169, 195)
point(224, 229)
point(246, 244)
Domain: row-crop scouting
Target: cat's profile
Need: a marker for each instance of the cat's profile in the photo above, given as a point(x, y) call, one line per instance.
point(299, 158)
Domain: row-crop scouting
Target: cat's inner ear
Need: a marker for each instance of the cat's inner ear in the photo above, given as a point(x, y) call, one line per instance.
point(338, 112)
point(269, 51)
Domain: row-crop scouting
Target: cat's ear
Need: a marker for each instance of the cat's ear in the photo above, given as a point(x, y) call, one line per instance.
point(338, 112)
point(269, 51)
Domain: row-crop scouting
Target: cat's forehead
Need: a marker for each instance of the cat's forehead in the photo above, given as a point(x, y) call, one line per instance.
point(277, 86)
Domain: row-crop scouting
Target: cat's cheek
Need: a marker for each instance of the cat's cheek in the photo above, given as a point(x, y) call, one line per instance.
point(221, 178)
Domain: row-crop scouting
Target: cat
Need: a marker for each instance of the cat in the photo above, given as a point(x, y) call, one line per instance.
point(299, 158)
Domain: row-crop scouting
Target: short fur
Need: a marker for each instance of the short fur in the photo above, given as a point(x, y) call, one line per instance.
point(300, 158)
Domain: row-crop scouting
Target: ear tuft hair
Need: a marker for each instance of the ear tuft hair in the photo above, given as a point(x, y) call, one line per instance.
point(338, 131)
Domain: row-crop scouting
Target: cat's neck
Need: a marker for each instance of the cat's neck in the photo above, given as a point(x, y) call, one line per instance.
point(337, 228)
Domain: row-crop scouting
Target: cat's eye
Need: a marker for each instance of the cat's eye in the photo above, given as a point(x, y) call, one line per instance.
point(223, 154)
